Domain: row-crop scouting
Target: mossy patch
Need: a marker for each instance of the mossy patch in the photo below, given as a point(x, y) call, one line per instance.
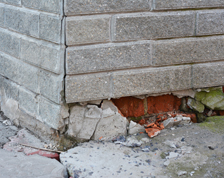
point(215, 124)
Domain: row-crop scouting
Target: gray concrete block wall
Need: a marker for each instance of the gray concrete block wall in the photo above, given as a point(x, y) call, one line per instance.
point(125, 48)
point(32, 54)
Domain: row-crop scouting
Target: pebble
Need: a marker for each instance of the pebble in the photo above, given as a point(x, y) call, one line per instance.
point(181, 173)
point(172, 155)
point(166, 163)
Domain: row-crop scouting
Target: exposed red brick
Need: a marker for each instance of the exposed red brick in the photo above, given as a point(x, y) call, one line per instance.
point(221, 113)
point(164, 103)
point(142, 122)
point(130, 106)
point(45, 154)
point(192, 116)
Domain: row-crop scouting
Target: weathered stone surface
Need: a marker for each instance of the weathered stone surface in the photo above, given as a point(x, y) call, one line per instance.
point(2, 10)
point(25, 21)
point(210, 22)
point(14, 2)
point(186, 4)
point(28, 102)
point(50, 28)
point(42, 54)
point(136, 82)
point(19, 72)
point(51, 85)
point(105, 57)
point(109, 104)
point(87, 29)
point(10, 108)
point(74, 7)
point(43, 5)
point(179, 51)
point(50, 113)
point(153, 25)
point(110, 125)
point(135, 128)
point(92, 117)
point(29, 166)
point(195, 105)
point(87, 87)
point(9, 43)
point(208, 75)
point(77, 115)
point(213, 99)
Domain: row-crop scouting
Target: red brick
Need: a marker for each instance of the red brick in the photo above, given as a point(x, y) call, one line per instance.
point(164, 103)
point(46, 154)
point(130, 106)
point(221, 113)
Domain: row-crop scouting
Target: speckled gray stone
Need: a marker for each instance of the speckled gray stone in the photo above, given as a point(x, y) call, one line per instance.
point(105, 57)
point(151, 80)
point(87, 87)
point(208, 75)
point(42, 54)
point(2, 10)
point(186, 4)
point(74, 7)
point(138, 26)
point(50, 28)
point(9, 43)
point(43, 5)
point(210, 22)
point(22, 21)
point(179, 51)
point(19, 72)
point(14, 2)
point(87, 29)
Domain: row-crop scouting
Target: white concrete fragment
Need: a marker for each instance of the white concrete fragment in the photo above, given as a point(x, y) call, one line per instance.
point(181, 173)
point(166, 163)
point(183, 93)
point(135, 128)
point(172, 155)
point(109, 104)
point(170, 144)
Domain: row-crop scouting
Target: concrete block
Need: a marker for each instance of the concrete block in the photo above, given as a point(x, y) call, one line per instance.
point(9, 43)
point(87, 87)
point(9, 89)
point(2, 10)
point(208, 75)
point(25, 22)
point(87, 29)
point(190, 50)
point(210, 22)
point(75, 7)
point(51, 86)
point(13, 2)
point(42, 54)
point(53, 6)
point(186, 4)
point(50, 113)
point(105, 57)
point(138, 26)
point(135, 128)
point(50, 28)
point(151, 80)
point(19, 72)
point(28, 102)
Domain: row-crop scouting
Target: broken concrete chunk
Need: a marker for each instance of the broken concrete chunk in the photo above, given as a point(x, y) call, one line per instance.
point(173, 121)
point(183, 93)
point(172, 155)
point(135, 128)
point(109, 104)
point(195, 105)
point(93, 112)
point(166, 163)
point(108, 112)
point(181, 173)
point(110, 126)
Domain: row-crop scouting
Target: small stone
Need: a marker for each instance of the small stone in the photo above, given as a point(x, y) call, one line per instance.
point(166, 163)
point(170, 144)
point(181, 173)
point(211, 147)
point(172, 155)
point(135, 128)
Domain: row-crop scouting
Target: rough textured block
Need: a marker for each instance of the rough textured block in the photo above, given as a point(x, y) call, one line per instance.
point(90, 29)
point(210, 22)
point(19, 72)
point(185, 4)
point(50, 28)
point(74, 7)
point(25, 21)
point(147, 81)
point(207, 75)
point(87, 87)
point(53, 6)
point(28, 102)
point(51, 86)
point(107, 57)
point(50, 113)
point(9, 43)
point(169, 52)
point(2, 10)
point(11, 90)
point(14, 2)
point(153, 25)
point(42, 54)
